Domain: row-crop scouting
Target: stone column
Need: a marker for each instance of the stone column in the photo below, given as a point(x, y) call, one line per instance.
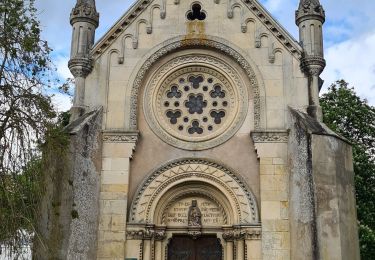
point(148, 242)
point(159, 242)
point(118, 148)
point(240, 246)
point(229, 236)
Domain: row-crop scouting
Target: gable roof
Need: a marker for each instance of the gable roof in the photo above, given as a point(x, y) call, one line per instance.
point(253, 5)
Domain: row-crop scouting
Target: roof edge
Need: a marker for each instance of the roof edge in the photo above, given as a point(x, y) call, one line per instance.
point(254, 6)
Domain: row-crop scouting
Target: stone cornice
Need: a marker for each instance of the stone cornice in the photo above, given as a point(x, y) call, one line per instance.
point(120, 136)
point(253, 5)
point(270, 136)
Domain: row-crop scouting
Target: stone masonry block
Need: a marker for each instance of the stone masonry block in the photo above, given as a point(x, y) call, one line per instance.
point(267, 169)
point(115, 177)
point(111, 249)
point(114, 188)
point(270, 210)
point(112, 223)
point(113, 207)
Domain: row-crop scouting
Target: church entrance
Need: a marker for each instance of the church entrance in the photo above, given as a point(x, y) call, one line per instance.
point(202, 248)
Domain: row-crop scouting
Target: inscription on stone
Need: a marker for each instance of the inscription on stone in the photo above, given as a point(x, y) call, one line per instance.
point(178, 213)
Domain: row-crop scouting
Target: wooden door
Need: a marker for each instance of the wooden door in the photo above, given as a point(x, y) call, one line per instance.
point(202, 248)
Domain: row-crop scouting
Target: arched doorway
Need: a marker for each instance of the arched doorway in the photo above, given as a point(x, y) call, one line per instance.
point(190, 208)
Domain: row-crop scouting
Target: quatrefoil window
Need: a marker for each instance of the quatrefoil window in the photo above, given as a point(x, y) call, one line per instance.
point(196, 13)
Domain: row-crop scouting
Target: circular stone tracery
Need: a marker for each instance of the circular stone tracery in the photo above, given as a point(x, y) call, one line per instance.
point(195, 106)
point(195, 102)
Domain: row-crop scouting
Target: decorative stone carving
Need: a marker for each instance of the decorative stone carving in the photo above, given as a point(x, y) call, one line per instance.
point(177, 43)
point(85, 11)
point(312, 65)
point(252, 234)
point(120, 137)
point(135, 234)
point(251, 5)
point(194, 170)
point(80, 66)
point(195, 107)
point(270, 137)
point(195, 215)
point(229, 235)
point(308, 9)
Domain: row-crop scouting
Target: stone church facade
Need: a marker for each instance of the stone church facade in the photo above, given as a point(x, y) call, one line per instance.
point(197, 133)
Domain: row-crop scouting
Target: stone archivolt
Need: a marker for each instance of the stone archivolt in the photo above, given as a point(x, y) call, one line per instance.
point(203, 177)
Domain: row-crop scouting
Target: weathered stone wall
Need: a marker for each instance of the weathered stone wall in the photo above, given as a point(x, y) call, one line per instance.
point(322, 201)
point(335, 200)
point(69, 210)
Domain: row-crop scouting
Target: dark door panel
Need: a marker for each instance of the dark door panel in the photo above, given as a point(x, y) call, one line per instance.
point(202, 248)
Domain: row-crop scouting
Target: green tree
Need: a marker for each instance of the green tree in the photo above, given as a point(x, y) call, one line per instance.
point(353, 118)
point(26, 112)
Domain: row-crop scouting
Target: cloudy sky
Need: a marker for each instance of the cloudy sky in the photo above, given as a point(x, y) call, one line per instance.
point(349, 37)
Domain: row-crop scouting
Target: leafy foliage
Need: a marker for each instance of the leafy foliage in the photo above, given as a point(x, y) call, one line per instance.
point(354, 119)
point(26, 113)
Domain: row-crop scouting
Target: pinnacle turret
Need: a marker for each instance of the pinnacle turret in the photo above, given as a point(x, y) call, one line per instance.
point(310, 18)
point(310, 9)
point(85, 10)
point(84, 19)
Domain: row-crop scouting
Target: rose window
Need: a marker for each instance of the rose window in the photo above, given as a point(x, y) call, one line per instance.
point(195, 102)
point(194, 106)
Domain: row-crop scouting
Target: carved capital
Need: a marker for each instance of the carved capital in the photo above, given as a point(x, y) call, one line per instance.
point(120, 137)
point(229, 235)
point(160, 234)
point(84, 12)
point(270, 136)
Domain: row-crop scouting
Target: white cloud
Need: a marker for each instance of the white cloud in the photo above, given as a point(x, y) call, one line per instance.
point(354, 61)
point(61, 101)
point(61, 63)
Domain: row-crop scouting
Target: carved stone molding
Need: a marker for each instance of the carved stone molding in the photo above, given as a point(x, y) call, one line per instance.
point(312, 65)
point(147, 233)
point(133, 14)
point(80, 66)
point(120, 137)
point(196, 170)
point(270, 136)
point(135, 234)
point(180, 43)
point(242, 233)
